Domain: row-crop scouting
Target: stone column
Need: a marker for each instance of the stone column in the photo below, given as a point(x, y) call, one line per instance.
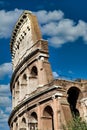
point(56, 108)
point(14, 126)
point(59, 114)
point(55, 117)
point(20, 89)
point(27, 121)
point(39, 116)
point(27, 85)
point(42, 77)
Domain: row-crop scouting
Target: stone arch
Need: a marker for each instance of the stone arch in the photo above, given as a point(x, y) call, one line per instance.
point(23, 124)
point(33, 122)
point(48, 121)
point(17, 87)
point(17, 91)
point(24, 85)
point(13, 96)
point(16, 126)
point(24, 79)
point(33, 78)
point(23, 120)
point(34, 71)
point(74, 96)
point(48, 104)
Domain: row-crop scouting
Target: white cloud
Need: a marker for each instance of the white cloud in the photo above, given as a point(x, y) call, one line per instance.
point(58, 29)
point(7, 21)
point(5, 90)
point(65, 31)
point(5, 101)
point(5, 105)
point(8, 109)
point(5, 69)
point(56, 42)
point(55, 74)
point(45, 17)
point(3, 116)
point(3, 120)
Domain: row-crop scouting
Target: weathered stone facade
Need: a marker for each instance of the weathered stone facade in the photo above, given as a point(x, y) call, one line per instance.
point(38, 100)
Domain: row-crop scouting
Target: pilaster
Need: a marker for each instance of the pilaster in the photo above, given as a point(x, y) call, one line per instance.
point(39, 116)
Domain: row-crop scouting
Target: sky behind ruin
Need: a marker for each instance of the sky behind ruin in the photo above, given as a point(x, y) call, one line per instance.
point(63, 23)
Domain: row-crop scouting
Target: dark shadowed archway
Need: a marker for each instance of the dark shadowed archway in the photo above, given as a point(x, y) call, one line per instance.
point(74, 94)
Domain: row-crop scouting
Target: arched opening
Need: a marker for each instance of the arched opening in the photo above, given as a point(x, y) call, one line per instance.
point(23, 124)
point(34, 71)
point(73, 96)
point(33, 79)
point(13, 97)
point(24, 121)
point(16, 126)
point(33, 124)
point(24, 79)
point(48, 122)
point(24, 85)
point(17, 92)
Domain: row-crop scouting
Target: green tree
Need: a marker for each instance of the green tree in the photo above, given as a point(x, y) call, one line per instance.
point(76, 124)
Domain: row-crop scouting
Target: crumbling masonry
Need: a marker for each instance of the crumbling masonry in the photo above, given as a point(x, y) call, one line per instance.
point(38, 100)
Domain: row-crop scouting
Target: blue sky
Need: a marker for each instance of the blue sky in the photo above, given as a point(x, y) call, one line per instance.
point(63, 23)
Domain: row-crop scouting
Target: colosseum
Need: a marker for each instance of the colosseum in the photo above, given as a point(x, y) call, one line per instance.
point(40, 102)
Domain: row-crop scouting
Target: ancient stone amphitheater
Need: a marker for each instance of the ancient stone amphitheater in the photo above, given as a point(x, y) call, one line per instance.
point(40, 102)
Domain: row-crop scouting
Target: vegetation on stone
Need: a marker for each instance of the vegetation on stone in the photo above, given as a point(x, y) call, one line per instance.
point(76, 124)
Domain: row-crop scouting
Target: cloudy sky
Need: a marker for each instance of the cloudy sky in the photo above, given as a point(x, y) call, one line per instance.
point(63, 23)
